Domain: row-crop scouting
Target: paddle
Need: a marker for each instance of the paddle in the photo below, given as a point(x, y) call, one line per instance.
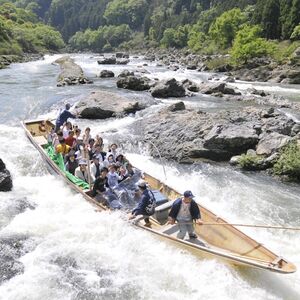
point(250, 225)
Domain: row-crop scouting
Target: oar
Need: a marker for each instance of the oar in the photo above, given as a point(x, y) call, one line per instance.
point(250, 225)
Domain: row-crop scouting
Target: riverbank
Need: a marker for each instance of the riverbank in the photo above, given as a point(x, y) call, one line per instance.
point(6, 60)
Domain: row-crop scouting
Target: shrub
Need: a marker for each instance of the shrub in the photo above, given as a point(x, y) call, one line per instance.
point(251, 162)
point(289, 162)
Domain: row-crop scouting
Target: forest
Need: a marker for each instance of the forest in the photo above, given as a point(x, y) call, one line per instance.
point(243, 28)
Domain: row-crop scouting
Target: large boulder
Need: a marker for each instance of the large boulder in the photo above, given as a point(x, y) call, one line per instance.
point(126, 73)
point(5, 178)
point(232, 139)
point(135, 83)
point(71, 73)
point(106, 74)
point(168, 88)
point(190, 85)
point(103, 104)
point(271, 143)
point(216, 88)
point(107, 60)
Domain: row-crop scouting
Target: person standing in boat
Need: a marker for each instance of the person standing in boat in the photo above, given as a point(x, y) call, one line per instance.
point(63, 117)
point(146, 205)
point(184, 210)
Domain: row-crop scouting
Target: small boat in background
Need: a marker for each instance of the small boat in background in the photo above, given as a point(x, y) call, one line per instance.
point(225, 242)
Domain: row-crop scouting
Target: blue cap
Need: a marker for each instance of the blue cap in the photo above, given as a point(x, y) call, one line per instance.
point(188, 194)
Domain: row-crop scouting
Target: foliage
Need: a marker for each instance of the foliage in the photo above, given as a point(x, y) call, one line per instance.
point(296, 33)
point(289, 162)
point(224, 28)
point(248, 44)
point(251, 162)
point(20, 32)
point(105, 38)
point(177, 38)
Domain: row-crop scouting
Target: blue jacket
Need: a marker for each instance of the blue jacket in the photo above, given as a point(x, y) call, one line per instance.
point(146, 205)
point(194, 209)
point(63, 117)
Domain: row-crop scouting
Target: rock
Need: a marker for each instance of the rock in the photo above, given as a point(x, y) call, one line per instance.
point(122, 61)
point(168, 88)
point(107, 60)
point(261, 93)
point(234, 160)
point(191, 67)
point(215, 88)
point(5, 178)
point(230, 79)
point(271, 143)
point(103, 104)
point(71, 73)
point(106, 74)
point(126, 73)
point(134, 83)
point(176, 106)
point(122, 55)
point(295, 57)
point(190, 85)
point(234, 139)
point(295, 129)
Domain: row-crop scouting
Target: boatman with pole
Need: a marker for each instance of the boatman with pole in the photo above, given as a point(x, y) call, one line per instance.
point(185, 210)
point(63, 117)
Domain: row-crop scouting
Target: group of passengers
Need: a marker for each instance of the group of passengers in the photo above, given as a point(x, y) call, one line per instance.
point(108, 169)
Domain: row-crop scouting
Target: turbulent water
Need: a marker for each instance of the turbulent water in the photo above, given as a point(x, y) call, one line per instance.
point(54, 245)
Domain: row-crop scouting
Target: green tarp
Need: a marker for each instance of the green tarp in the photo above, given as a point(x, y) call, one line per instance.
point(59, 161)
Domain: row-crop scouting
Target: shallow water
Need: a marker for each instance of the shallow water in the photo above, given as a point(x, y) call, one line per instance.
point(73, 252)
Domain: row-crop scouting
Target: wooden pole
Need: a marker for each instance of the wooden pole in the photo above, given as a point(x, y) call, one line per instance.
point(249, 225)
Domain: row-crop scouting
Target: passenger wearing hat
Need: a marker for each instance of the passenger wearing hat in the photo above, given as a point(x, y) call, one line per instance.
point(81, 172)
point(95, 168)
point(63, 117)
point(146, 205)
point(184, 210)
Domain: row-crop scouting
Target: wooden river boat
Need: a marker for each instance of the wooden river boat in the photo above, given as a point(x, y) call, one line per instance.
point(224, 241)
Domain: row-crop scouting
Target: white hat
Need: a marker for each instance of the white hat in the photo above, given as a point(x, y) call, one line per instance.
point(141, 183)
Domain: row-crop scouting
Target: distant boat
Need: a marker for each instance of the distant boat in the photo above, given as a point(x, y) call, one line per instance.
point(224, 241)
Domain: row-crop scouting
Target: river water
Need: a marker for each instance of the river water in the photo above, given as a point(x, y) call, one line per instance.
point(66, 250)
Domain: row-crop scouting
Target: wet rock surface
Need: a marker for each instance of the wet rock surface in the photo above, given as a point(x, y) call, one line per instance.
point(185, 135)
point(6, 183)
point(135, 83)
point(106, 74)
point(103, 104)
point(71, 73)
point(168, 88)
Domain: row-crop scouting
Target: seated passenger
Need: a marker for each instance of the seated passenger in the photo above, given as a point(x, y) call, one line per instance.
point(57, 137)
point(71, 164)
point(113, 150)
point(109, 160)
point(121, 159)
point(100, 183)
point(129, 169)
point(113, 177)
point(97, 151)
point(81, 171)
point(87, 136)
point(99, 140)
point(146, 205)
point(66, 129)
point(70, 140)
point(95, 168)
point(62, 148)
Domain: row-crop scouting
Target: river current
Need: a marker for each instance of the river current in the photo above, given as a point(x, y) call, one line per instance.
point(70, 251)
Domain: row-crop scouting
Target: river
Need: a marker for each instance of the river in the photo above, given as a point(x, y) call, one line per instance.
point(68, 251)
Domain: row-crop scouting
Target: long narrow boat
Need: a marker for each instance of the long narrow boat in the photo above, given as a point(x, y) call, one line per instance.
point(224, 241)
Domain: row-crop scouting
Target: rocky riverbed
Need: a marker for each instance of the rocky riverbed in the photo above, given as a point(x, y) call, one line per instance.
point(5, 178)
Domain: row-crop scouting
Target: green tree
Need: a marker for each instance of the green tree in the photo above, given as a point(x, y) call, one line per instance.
point(223, 30)
point(296, 33)
point(249, 44)
point(270, 19)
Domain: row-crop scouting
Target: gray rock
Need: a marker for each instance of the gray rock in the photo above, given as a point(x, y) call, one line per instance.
point(126, 73)
point(234, 139)
point(5, 178)
point(216, 88)
point(176, 106)
point(103, 104)
point(234, 160)
point(271, 143)
point(134, 83)
point(190, 85)
point(168, 88)
point(106, 74)
point(107, 60)
point(71, 73)
point(122, 55)
point(295, 129)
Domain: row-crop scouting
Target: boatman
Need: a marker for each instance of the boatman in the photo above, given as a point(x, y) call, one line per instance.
point(184, 210)
point(146, 205)
point(63, 117)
